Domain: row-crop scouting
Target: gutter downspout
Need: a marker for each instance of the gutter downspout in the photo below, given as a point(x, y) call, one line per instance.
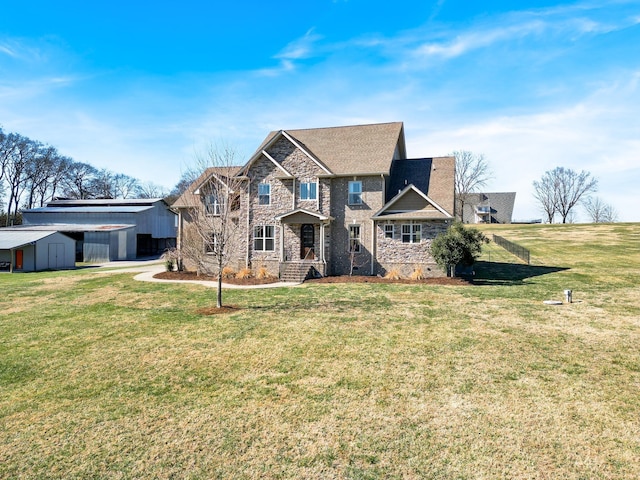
point(374, 232)
point(293, 200)
point(281, 242)
point(373, 243)
point(248, 223)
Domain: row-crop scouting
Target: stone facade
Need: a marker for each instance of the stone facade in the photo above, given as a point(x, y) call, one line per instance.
point(344, 214)
point(284, 197)
point(329, 215)
point(393, 254)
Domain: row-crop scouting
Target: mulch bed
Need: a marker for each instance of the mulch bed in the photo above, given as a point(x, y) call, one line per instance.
point(336, 279)
point(369, 279)
point(207, 278)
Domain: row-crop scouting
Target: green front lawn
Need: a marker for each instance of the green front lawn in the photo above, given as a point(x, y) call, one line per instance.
point(102, 376)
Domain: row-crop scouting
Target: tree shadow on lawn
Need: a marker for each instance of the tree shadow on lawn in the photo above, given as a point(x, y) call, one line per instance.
point(496, 273)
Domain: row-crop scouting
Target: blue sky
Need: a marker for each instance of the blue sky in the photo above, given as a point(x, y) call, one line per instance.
point(142, 89)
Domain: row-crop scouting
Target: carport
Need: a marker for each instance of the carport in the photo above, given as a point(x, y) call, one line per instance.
point(30, 251)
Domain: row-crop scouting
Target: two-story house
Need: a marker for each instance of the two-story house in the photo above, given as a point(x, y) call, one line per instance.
point(340, 199)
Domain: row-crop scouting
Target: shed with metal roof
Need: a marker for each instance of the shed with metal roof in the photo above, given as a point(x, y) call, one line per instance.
point(151, 225)
point(30, 251)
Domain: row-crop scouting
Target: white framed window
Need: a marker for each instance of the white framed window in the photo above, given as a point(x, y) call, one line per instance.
point(308, 191)
point(411, 233)
point(354, 238)
point(355, 192)
point(212, 205)
point(264, 238)
point(389, 230)
point(264, 194)
point(211, 245)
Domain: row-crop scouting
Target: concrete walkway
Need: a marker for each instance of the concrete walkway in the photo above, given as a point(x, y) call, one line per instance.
point(148, 268)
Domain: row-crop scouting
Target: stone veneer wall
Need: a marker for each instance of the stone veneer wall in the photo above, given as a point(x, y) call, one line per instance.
point(284, 198)
point(392, 254)
point(372, 200)
point(264, 171)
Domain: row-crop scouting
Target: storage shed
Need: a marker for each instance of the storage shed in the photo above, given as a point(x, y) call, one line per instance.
point(94, 243)
point(30, 251)
point(153, 225)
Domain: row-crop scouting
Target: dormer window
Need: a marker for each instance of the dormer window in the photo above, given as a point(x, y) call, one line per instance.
point(308, 191)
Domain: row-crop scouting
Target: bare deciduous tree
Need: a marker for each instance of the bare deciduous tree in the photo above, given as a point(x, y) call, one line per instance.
point(561, 189)
point(21, 154)
point(4, 153)
point(124, 186)
point(599, 211)
point(34, 173)
point(150, 190)
point(78, 182)
point(546, 191)
point(472, 173)
point(213, 204)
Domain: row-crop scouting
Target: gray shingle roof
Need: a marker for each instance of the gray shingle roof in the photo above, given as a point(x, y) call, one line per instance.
point(500, 203)
point(432, 176)
point(351, 150)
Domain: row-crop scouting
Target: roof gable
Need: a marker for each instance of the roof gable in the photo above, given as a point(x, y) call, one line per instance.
point(412, 203)
point(347, 150)
point(301, 215)
point(272, 139)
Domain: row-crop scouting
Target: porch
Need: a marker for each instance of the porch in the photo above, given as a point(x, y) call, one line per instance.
point(303, 244)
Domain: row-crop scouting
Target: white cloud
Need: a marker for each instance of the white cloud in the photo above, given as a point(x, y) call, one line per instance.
point(477, 39)
point(7, 50)
point(300, 48)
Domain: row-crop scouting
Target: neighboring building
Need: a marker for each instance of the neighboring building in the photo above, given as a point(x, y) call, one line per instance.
point(109, 229)
point(336, 198)
point(30, 251)
point(489, 207)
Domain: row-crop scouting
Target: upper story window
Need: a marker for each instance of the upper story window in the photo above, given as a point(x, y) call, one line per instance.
point(388, 230)
point(212, 204)
point(355, 193)
point(411, 233)
point(264, 194)
point(308, 191)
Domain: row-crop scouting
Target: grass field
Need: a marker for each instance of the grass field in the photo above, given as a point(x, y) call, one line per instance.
point(105, 377)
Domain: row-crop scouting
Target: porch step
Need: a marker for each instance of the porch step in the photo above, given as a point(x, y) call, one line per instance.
point(296, 272)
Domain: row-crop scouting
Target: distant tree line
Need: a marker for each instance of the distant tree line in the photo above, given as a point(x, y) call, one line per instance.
point(33, 173)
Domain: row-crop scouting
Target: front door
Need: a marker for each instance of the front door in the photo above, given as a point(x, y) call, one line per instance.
point(307, 238)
